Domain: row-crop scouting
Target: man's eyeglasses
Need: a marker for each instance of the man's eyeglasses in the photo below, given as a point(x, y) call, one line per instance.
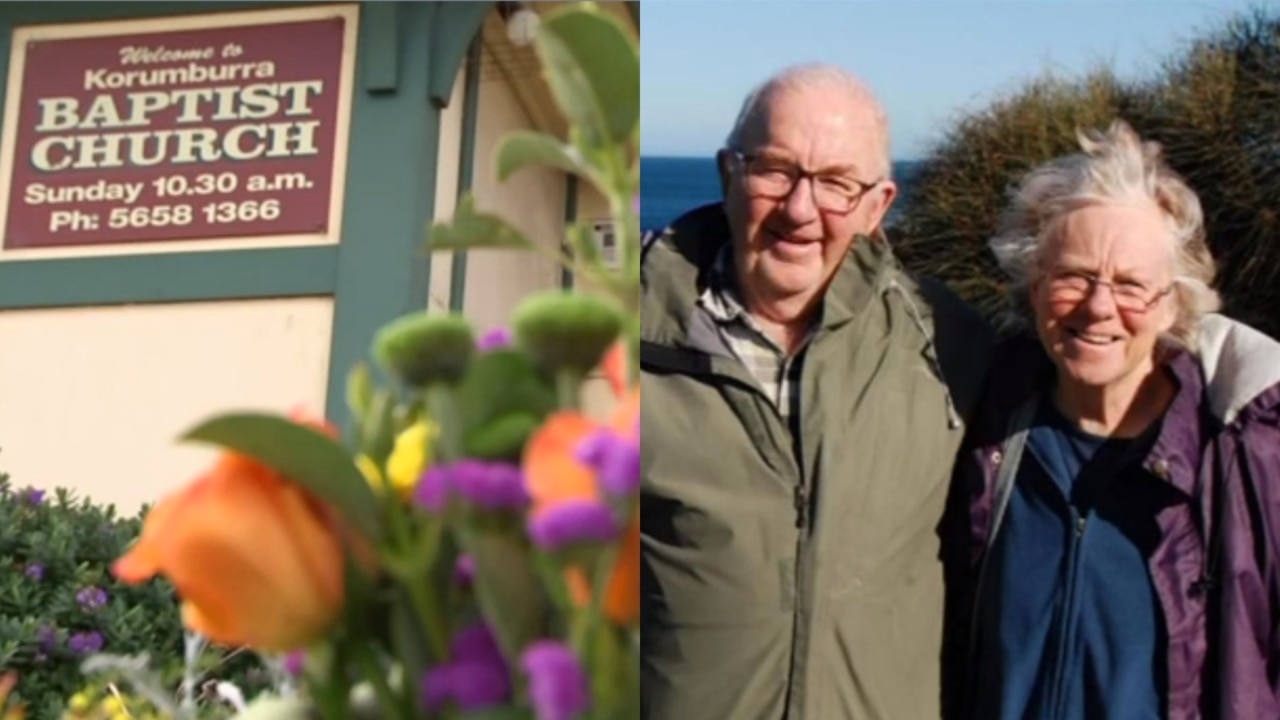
point(1130, 296)
point(776, 179)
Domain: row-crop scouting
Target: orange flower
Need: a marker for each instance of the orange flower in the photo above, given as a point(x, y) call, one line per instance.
point(256, 559)
point(554, 475)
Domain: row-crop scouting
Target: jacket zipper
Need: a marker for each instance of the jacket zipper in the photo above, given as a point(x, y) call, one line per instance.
point(1070, 615)
point(802, 508)
point(801, 617)
point(682, 360)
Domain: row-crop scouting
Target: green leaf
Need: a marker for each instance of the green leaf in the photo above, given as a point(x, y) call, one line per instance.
point(519, 149)
point(359, 391)
point(300, 453)
point(586, 251)
point(592, 64)
point(470, 229)
point(408, 639)
point(502, 383)
point(506, 587)
point(501, 439)
point(378, 428)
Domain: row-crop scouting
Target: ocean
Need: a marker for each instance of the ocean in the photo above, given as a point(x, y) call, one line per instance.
point(670, 186)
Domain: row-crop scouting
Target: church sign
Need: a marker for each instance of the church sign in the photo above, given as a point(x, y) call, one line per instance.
point(216, 127)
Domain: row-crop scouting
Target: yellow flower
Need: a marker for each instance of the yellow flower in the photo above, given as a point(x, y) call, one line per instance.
point(115, 707)
point(369, 469)
point(410, 456)
point(80, 703)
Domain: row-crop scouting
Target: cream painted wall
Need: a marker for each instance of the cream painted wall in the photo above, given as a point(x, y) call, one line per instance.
point(450, 158)
point(96, 396)
point(532, 199)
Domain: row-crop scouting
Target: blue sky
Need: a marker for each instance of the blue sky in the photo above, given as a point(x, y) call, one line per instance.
point(927, 59)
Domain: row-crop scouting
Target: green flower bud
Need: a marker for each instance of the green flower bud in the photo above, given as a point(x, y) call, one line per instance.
point(566, 331)
point(422, 349)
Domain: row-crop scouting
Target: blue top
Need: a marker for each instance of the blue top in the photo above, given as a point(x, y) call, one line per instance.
point(1069, 625)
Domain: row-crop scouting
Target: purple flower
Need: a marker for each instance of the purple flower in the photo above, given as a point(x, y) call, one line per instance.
point(476, 676)
point(464, 571)
point(91, 598)
point(436, 687)
point(495, 339)
point(558, 686)
point(615, 460)
point(573, 521)
point(294, 662)
point(490, 485)
point(33, 496)
point(35, 571)
point(479, 684)
point(475, 642)
point(47, 635)
point(84, 643)
point(432, 492)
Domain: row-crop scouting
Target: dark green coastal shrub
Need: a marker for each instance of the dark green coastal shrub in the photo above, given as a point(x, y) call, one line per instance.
point(1216, 109)
point(59, 602)
point(959, 191)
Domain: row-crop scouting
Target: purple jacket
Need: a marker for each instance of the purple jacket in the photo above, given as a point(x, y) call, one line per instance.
point(1220, 447)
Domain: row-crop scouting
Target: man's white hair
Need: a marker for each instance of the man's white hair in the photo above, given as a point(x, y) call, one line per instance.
point(813, 76)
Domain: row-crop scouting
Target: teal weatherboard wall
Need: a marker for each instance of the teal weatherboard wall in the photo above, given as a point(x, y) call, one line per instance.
point(408, 57)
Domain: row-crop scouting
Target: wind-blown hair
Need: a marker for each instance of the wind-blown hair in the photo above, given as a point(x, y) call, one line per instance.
point(1115, 166)
point(817, 76)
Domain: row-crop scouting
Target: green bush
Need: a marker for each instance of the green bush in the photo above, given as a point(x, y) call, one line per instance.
point(1216, 109)
point(960, 190)
point(59, 602)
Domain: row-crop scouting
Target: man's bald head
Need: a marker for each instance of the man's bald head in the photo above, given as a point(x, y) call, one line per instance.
point(838, 84)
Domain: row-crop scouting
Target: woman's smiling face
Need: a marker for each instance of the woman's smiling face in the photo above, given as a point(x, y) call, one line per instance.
point(1102, 299)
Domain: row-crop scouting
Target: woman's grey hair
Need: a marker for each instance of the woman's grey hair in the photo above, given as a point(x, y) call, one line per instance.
point(1116, 166)
point(815, 76)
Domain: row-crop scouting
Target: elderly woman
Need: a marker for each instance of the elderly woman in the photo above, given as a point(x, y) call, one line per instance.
point(1118, 501)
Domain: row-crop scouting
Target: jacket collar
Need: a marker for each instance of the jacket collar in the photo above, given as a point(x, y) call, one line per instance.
point(1241, 366)
point(1026, 370)
point(677, 269)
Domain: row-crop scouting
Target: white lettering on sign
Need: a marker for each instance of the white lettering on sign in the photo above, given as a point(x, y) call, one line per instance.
point(106, 79)
point(249, 141)
point(191, 145)
point(133, 55)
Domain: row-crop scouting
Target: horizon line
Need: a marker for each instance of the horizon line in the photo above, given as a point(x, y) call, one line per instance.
point(712, 156)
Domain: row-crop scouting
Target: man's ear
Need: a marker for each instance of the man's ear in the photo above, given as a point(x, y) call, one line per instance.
point(884, 194)
point(723, 158)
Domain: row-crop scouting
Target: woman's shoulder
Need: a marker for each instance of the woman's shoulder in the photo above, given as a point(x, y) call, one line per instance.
point(1241, 368)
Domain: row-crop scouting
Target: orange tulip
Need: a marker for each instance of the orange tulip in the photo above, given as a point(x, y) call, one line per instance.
point(554, 475)
point(256, 559)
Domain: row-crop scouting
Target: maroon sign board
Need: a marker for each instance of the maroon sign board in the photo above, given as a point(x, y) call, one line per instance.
point(174, 130)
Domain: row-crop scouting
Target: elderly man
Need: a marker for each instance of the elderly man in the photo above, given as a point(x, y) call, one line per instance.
point(804, 400)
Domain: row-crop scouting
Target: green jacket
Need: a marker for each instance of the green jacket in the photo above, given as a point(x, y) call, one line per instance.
point(753, 605)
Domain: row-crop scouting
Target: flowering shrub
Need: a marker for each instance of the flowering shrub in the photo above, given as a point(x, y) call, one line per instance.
point(59, 603)
point(470, 547)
